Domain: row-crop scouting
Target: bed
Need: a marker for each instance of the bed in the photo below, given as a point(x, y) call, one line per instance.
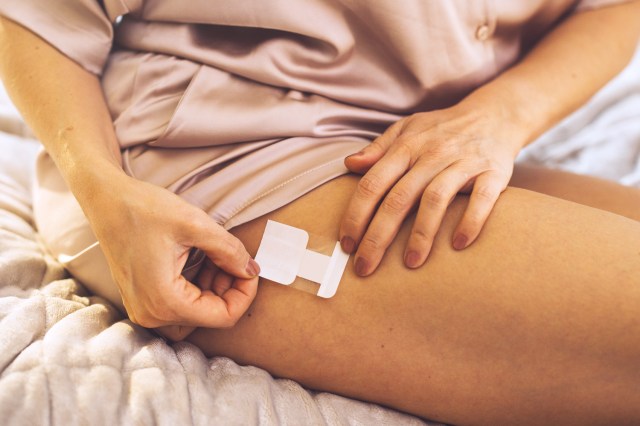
point(71, 358)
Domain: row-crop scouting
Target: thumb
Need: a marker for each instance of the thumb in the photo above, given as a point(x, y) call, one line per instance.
point(224, 249)
point(361, 161)
point(213, 311)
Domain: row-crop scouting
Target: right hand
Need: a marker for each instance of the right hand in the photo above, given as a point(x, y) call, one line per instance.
point(146, 233)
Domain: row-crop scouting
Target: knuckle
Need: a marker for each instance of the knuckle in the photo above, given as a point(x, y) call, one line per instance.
point(404, 146)
point(235, 246)
point(195, 219)
point(229, 248)
point(398, 201)
point(350, 224)
point(474, 220)
point(435, 195)
point(375, 146)
point(485, 192)
point(371, 243)
point(193, 216)
point(421, 235)
point(370, 186)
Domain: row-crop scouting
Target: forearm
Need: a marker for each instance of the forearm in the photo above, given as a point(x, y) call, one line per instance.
point(64, 106)
point(564, 69)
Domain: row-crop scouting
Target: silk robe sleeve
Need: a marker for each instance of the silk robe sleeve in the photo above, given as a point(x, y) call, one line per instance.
point(81, 29)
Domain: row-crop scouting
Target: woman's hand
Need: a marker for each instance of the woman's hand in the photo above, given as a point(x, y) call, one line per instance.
point(146, 233)
point(424, 160)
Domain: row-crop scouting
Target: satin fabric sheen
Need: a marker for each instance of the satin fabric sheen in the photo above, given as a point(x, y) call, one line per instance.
point(272, 91)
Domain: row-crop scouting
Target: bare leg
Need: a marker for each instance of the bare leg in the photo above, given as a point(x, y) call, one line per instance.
point(538, 321)
point(590, 191)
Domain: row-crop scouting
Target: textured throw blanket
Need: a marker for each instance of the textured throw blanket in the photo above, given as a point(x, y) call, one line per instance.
point(69, 358)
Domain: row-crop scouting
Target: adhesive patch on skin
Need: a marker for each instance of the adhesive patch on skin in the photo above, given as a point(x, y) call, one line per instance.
point(284, 258)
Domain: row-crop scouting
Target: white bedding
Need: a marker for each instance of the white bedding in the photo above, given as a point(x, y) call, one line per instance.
point(69, 358)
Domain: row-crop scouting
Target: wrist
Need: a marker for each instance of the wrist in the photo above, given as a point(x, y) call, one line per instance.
point(511, 108)
point(91, 180)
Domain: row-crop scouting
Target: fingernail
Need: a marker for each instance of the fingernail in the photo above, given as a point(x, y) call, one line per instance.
point(253, 268)
point(460, 242)
point(412, 259)
point(357, 154)
point(362, 266)
point(348, 244)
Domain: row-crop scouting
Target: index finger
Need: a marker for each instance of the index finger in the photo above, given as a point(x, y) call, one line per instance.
point(370, 190)
point(223, 248)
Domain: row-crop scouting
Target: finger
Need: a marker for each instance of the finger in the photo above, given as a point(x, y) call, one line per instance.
point(223, 248)
point(222, 283)
point(207, 275)
point(212, 311)
point(434, 202)
point(175, 333)
point(361, 161)
point(389, 217)
point(370, 190)
point(486, 190)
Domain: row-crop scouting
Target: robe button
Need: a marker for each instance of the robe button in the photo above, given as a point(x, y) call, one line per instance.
point(483, 32)
point(297, 95)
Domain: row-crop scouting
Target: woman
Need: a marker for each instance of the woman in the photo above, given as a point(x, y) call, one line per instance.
point(243, 108)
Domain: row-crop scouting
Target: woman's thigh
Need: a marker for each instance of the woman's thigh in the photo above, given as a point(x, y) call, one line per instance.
point(538, 320)
point(588, 190)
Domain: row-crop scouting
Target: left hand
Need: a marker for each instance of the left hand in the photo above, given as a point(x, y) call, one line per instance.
point(425, 159)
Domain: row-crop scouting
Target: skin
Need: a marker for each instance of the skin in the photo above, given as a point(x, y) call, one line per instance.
point(484, 335)
point(66, 110)
point(425, 159)
point(504, 332)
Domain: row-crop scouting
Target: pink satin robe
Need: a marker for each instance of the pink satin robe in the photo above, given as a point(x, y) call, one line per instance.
point(242, 106)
